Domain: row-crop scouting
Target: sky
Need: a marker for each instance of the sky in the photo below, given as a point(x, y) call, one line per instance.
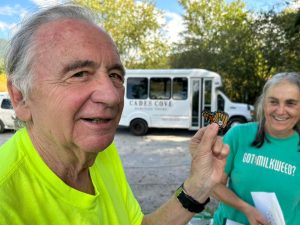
point(12, 12)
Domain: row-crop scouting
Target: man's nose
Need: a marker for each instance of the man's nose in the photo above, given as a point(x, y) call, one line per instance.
point(105, 91)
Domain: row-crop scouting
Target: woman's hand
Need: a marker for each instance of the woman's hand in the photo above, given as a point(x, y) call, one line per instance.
point(254, 216)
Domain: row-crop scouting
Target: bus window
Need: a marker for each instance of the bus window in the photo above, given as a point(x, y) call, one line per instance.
point(221, 103)
point(180, 86)
point(160, 88)
point(196, 103)
point(137, 88)
point(6, 104)
point(207, 94)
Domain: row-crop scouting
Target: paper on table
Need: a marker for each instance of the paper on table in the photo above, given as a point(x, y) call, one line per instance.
point(267, 203)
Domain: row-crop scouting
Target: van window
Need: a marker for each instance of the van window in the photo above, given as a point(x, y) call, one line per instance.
point(207, 94)
point(137, 88)
point(180, 86)
point(221, 103)
point(195, 102)
point(160, 88)
point(6, 104)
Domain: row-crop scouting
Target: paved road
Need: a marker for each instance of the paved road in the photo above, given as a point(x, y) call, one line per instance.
point(4, 136)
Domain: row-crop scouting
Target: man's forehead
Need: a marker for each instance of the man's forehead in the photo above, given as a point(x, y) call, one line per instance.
point(61, 29)
point(63, 42)
point(72, 34)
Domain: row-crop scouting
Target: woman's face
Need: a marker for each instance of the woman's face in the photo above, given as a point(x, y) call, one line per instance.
point(282, 109)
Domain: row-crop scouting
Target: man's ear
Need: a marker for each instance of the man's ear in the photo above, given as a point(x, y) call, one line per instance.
point(20, 105)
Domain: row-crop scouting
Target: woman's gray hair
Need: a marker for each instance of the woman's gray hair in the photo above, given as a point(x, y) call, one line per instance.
point(291, 77)
point(20, 54)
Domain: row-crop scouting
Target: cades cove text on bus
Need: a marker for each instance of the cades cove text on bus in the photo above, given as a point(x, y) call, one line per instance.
point(176, 98)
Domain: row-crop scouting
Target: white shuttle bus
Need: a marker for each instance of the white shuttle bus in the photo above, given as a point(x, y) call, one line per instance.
point(176, 98)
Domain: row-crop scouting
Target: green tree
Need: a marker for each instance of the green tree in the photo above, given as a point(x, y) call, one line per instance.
point(136, 29)
point(288, 21)
point(246, 48)
point(277, 35)
point(3, 47)
point(1, 66)
point(218, 37)
point(277, 39)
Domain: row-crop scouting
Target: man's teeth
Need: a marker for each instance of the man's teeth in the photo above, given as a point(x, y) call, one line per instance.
point(95, 120)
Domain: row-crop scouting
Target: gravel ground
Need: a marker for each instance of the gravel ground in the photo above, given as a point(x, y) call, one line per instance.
point(155, 164)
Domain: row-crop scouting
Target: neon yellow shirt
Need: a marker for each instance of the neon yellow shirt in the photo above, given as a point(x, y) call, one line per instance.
point(30, 193)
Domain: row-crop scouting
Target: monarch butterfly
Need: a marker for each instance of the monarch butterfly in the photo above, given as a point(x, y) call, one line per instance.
point(219, 117)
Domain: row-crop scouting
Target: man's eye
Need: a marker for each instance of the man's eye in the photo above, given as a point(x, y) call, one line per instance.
point(80, 74)
point(117, 77)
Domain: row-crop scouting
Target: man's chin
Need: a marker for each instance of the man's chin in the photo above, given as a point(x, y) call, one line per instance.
point(96, 144)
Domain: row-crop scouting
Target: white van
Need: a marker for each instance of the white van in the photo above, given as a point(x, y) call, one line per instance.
point(176, 98)
point(7, 113)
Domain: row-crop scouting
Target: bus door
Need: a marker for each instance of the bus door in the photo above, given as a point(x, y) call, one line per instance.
point(201, 92)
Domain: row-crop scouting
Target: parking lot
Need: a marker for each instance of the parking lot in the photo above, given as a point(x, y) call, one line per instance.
point(155, 164)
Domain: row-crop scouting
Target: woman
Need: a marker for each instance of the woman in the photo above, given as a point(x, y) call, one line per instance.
point(264, 157)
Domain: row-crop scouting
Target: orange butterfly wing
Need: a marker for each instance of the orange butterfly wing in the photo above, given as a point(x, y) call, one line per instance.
point(219, 117)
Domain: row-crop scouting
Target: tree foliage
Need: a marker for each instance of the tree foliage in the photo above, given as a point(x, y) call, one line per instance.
point(2, 69)
point(245, 48)
point(135, 28)
point(3, 48)
point(217, 38)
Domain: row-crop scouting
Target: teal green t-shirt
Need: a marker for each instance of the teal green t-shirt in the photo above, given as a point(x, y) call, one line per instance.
point(30, 193)
point(272, 168)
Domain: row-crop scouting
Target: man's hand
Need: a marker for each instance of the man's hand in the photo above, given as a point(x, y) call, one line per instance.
point(208, 154)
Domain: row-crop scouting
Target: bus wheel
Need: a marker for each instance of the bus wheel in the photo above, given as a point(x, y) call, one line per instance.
point(138, 127)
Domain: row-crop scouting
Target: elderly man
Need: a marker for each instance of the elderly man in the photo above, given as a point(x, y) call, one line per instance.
point(65, 79)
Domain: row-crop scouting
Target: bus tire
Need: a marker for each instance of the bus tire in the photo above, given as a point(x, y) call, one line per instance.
point(138, 127)
point(2, 127)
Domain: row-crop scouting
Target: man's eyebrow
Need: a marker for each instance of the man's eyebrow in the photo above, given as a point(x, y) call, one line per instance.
point(117, 66)
point(78, 64)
